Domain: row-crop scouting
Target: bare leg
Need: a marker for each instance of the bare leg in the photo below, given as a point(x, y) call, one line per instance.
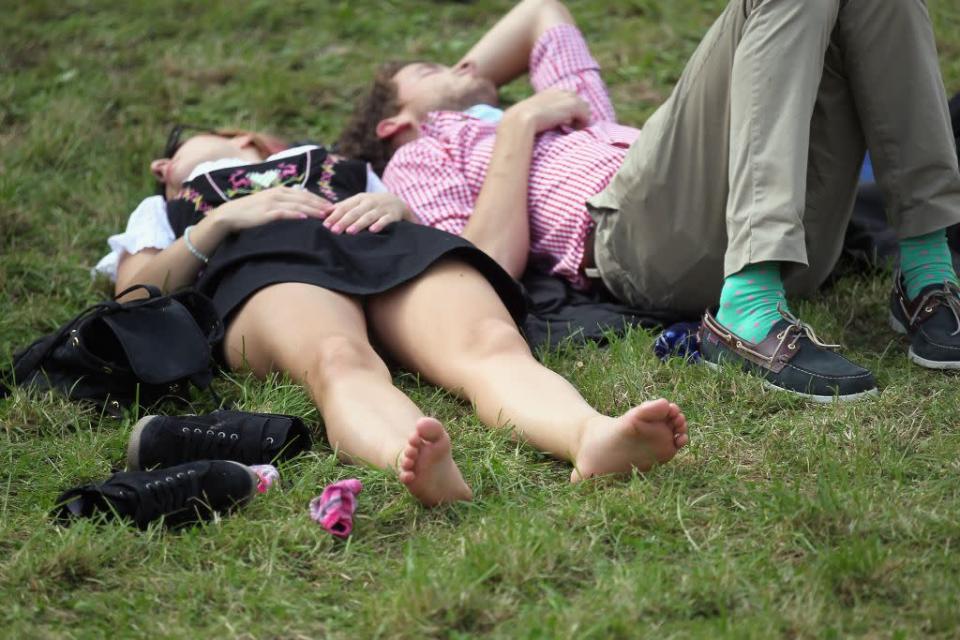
point(450, 326)
point(319, 337)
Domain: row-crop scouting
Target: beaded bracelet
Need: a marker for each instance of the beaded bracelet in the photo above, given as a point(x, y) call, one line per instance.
point(192, 249)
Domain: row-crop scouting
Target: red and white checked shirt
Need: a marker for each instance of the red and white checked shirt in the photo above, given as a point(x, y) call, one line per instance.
point(440, 174)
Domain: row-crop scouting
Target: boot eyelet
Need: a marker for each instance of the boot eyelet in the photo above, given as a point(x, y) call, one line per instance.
point(222, 435)
point(185, 429)
point(928, 309)
point(198, 431)
point(169, 479)
point(180, 475)
point(191, 472)
point(234, 436)
point(270, 440)
point(792, 347)
point(209, 432)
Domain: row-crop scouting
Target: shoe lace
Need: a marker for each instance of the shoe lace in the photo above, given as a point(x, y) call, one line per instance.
point(170, 493)
point(797, 330)
point(949, 294)
point(204, 442)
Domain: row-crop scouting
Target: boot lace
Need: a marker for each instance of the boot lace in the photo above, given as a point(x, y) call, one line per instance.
point(170, 493)
point(209, 443)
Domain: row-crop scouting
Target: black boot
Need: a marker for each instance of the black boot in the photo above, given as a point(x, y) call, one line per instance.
point(181, 495)
point(250, 438)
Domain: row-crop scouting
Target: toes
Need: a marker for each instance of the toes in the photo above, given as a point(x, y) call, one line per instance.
point(406, 477)
point(429, 429)
point(681, 440)
point(653, 410)
point(674, 411)
point(680, 424)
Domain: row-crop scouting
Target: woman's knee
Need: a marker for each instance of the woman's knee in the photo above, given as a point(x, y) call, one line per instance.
point(333, 358)
point(491, 338)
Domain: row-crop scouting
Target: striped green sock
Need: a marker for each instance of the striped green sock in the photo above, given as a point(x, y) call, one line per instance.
point(925, 260)
point(749, 300)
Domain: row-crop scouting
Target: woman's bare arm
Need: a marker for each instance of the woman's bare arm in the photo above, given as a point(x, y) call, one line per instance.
point(175, 266)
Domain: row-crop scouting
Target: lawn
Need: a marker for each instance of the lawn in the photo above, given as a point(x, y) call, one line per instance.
point(780, 520)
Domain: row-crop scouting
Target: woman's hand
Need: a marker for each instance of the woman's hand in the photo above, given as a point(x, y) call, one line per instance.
point(276, 203)
point(372, 211)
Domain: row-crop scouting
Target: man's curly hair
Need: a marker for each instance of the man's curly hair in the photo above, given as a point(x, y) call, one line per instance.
point(359, 138)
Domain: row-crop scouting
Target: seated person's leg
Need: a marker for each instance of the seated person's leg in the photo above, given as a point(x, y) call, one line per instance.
point(450, 326)
point(906, 120)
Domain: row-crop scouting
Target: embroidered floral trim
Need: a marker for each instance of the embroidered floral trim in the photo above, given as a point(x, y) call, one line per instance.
point(243, 182)
point(326, 175)
point(193, 196)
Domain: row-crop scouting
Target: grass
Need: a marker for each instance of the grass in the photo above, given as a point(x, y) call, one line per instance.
point(780, 520)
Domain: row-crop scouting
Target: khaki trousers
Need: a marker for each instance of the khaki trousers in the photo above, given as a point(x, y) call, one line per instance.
point(756, 154)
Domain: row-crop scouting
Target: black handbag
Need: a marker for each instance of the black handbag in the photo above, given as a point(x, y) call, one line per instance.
point(118, 353)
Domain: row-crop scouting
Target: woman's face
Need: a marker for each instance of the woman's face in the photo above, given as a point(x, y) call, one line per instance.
point(201, 148)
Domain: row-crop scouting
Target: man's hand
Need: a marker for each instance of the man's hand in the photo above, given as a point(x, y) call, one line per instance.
point(552, 108)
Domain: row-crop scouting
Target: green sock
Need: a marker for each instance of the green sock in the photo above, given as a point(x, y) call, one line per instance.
point(749, 300)
point(925, 260)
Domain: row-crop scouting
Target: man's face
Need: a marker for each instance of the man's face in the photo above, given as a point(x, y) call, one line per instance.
point(423, 87)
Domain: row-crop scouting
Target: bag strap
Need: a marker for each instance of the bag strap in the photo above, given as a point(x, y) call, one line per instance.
point(25, 366)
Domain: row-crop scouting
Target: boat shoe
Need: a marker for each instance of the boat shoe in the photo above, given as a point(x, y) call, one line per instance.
point(790, 358)
point(931, 320)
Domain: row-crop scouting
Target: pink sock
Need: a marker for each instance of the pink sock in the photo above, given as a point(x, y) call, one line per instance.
point(333, 509)
point(268, 475)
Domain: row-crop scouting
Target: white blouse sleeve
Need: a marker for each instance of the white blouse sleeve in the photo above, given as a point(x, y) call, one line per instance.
point(374, 183)
point(147, 228)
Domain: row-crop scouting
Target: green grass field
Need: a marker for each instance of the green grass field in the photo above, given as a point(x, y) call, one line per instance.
point(780, 520)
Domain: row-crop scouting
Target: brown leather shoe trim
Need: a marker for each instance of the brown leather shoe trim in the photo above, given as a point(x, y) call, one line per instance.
point(909, 308)
point(773, 353)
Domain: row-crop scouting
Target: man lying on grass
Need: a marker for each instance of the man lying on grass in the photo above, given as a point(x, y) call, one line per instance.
point(737, 191)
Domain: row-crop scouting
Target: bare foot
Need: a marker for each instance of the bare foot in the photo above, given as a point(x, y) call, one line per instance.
point(428, 469)
point(642, 437)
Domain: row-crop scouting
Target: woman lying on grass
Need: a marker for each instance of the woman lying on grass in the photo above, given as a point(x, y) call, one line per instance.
point(310, 263)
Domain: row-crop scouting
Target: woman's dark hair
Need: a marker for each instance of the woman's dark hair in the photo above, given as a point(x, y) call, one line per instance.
point(265, 144)
point(359, 139)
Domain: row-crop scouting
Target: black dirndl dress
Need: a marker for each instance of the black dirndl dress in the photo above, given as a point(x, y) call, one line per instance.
point(305, 251)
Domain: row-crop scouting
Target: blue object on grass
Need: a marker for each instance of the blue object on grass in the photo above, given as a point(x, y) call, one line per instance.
point(679, 341)
point(866, 171)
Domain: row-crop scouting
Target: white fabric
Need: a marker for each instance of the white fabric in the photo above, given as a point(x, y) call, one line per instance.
point(149, 228)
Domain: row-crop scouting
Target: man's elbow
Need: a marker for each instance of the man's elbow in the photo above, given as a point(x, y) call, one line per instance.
point(550, 13)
